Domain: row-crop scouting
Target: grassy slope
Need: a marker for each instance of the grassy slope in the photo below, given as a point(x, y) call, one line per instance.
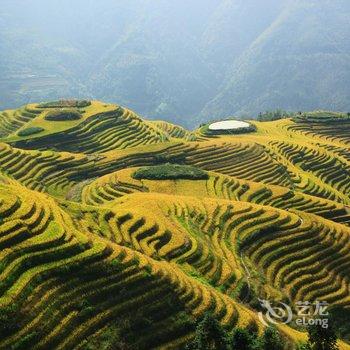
point(184, 239)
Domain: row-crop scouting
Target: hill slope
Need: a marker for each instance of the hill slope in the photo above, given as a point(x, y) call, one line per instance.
point(104, 239)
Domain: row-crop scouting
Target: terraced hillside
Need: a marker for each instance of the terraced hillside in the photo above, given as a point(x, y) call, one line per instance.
point(116, 230)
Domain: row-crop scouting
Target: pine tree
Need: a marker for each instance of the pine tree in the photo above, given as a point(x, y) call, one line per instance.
point(272, 339)
point(209, 335)
point(323, 338)
point(242, 339)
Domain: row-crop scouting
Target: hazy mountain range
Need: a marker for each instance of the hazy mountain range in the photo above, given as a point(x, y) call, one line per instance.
point(184, 61)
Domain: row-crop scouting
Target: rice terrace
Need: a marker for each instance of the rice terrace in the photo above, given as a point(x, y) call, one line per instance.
point(118, 232)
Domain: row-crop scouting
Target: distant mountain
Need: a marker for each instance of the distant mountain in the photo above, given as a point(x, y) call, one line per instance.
point(184, 61)
point(300, 61)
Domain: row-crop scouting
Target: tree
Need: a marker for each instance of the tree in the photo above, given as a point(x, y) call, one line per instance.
point(272, 340)
point(304, 346)
point(322, 338)
point(209, 335)
point(242, 339)
point(10, 318)
point(274, 115)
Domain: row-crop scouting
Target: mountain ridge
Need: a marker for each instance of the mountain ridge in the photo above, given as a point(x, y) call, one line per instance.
point(215, 64)
point(237, 85)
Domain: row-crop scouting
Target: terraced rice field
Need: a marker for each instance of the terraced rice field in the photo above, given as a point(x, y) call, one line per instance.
point(87, 250)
